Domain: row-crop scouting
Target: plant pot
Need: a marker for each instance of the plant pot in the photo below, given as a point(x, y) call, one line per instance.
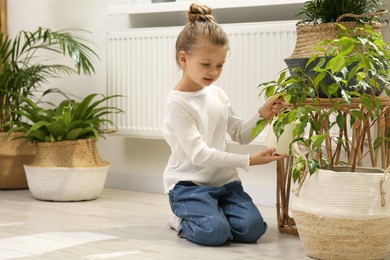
point(67, 171)
point(66, 183)
point(73, 153)
point(307, 37)
point(13, 155)
point(344, 215)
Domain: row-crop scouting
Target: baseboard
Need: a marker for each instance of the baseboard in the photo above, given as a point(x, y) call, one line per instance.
point(135, 182)
point(264, 196)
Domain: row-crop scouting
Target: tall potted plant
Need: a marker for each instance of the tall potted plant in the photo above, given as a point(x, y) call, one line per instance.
point(26, 63)
point(67, 165)
point(340, 213)
point(320, 23)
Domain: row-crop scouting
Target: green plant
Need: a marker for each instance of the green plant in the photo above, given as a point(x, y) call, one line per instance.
point(325, 11)
point(359, 56)
point(70, 120)
point(25, 64)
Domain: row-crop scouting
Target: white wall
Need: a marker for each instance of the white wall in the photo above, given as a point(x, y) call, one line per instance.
point(137, 164)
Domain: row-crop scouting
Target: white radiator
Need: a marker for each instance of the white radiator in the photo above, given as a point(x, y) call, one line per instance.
point(142, 67)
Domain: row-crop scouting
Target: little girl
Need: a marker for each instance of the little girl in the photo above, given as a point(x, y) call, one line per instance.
point(206, 196)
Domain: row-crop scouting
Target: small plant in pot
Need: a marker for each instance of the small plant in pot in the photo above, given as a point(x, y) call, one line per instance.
point(341, 209)
point(26, 63)
point(67, 165)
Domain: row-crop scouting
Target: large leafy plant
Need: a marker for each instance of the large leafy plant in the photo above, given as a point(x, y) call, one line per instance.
point(326, 11)
point(70, 120)
point(25, 64)
point(358, 62)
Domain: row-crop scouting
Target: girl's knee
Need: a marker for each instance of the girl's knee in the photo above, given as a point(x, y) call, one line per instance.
point(255, 232)
point(213, 231)
point(250, 230)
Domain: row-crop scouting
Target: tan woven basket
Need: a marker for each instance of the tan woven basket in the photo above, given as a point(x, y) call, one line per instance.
point(13, 155)
point(327, 237)
point(74, 153)
point(309, 35)
point(344, 215)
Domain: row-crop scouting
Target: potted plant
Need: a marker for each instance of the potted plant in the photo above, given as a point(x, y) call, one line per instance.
point(328, 11)
point(67, 165)
point(25, 65)
point(320, 24)
point(340, 213)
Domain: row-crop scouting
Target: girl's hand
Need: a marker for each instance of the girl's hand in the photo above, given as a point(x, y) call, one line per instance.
point(271, 108)
point(265, 156)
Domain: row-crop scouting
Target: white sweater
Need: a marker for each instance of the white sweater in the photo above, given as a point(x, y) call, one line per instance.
point(195, 127)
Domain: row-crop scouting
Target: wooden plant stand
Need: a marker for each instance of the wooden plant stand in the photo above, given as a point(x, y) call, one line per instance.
point(378, 158)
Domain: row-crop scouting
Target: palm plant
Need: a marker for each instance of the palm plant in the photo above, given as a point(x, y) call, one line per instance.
point(23, 71)
point(326, 11)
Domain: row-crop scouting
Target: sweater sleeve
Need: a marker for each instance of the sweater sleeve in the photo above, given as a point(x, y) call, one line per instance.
point(240, 130)
point(180, 121)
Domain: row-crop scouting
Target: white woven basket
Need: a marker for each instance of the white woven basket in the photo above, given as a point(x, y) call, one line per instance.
point(344, 215)
point(66, 183)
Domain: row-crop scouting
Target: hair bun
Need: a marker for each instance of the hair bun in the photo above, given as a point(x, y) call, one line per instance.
point(201, 13)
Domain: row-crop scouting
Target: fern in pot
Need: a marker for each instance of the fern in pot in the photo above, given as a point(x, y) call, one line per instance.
point(67, 165)
point(341, 209)
point(27, 61)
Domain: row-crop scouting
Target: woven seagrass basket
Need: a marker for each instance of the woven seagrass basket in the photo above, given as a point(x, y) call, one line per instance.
point(74, 153)
point(309, 35)
point(67, 171)
point(344, 215)
point(13, 155)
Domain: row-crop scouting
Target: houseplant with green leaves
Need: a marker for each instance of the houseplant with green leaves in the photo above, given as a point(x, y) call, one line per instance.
point(319, 23)
point(334, 137)
point(70, 120)
point(65, 137)
point(328, 11)
point(27, 62)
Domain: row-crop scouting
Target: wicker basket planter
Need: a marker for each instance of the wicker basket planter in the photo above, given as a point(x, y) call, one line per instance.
point(67, 171)
point(308, 36)
point(66, 183)
point(344, 215)
point(13, 155)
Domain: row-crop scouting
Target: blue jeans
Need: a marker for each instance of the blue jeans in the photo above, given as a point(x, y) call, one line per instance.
point(213, 215)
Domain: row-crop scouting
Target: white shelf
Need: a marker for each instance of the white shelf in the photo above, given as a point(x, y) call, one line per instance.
point(184, 5)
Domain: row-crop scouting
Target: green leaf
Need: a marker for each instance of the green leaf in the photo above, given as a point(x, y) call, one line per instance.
point(74, 134)
point(314, 165)
point(317, 140)
point(366, 101)
point(336, 64)
point(347, 48)
point(282, 77)
point(340, 121)
point(260, 125)
point(319, 78)
point(311, 59)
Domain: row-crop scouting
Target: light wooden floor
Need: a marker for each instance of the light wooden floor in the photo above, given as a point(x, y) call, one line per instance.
point(118, 225)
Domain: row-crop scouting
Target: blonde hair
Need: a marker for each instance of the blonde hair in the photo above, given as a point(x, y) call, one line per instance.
point(200, 24)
